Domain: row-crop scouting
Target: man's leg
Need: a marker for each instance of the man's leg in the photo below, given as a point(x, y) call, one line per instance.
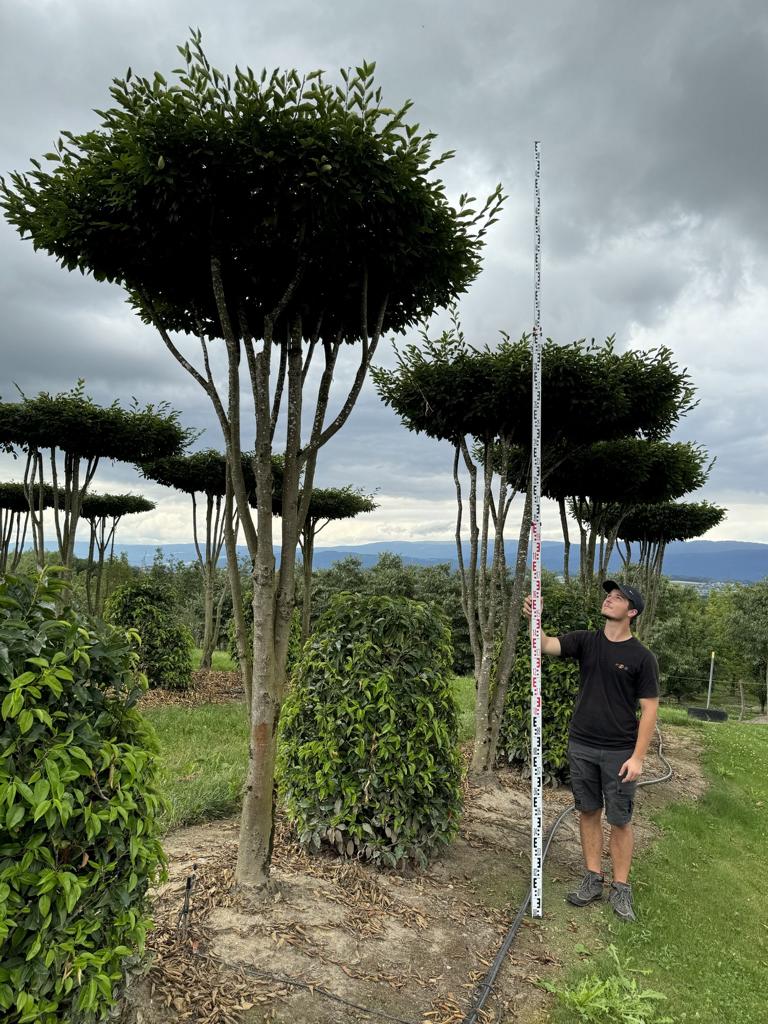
point(591, 832)
point(588, 798)
point(619, 804)
point(622, 845)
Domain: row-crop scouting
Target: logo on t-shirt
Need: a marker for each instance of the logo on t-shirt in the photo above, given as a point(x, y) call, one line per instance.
point(625, 668)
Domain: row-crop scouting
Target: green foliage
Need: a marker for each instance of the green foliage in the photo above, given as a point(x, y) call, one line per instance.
point(390, 576)
point(616, 999)
point(448, 389)
point(78, 802)
point(368, 761)
point(669, 521)
point(73, 423)
point(565, 609)
point(330, 503)
point(282, 179)
point(165, 653)
point(97, 507)
point(681, 639)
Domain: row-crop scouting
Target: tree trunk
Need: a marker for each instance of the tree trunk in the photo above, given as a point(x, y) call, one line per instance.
point(509, 647)
point(307, 549)
point(242, 641)
point(206, 659)
point(566, 540)
point(481, 747)
point(256, 822)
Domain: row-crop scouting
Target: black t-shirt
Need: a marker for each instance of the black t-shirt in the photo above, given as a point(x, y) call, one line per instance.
point(614, 676)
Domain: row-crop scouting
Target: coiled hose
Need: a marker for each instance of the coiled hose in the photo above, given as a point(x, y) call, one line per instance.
point(485, 987)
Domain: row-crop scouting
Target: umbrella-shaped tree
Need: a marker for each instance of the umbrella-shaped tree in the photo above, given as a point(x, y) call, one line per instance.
point(327, 505)
point(652, 527)
point(14, 520)
point(605, 481)
point(260, 212)
point(103, 513)
point(67, 435)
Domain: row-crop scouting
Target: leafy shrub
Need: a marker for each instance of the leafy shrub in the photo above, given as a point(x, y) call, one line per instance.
point(165, 656)
point(77, 808)
point(391, 577)
point(368, 760)
point(565, 608)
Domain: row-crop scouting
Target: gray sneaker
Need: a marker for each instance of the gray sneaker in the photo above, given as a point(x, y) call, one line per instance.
point(591, 889)
point(620, 898)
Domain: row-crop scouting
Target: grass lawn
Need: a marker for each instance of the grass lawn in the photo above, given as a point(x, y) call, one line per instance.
point(203, 754)
point(221, 661)
point(704, 927)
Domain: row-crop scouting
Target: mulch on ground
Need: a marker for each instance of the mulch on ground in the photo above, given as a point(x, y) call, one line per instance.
point(208, 687)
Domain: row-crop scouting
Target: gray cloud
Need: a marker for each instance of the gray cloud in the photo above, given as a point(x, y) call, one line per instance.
point(655, 161)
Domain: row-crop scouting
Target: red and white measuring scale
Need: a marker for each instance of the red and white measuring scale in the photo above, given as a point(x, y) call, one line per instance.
point(537, 797)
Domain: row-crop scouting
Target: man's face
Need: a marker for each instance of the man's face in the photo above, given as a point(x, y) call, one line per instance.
point(616, 606)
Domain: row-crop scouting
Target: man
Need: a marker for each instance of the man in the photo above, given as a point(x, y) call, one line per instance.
point(607, 744)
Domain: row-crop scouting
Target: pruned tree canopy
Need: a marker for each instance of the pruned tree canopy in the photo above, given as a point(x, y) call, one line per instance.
point(670, 521)
point(113, 506)
point(333, 503)
point(205, 472)
point(448, 389)
point(71, 422)
point(13, 497)
point(628, 471)
point(280, 178)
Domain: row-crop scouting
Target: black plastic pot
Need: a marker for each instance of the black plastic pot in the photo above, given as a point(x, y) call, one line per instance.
point(708, 714)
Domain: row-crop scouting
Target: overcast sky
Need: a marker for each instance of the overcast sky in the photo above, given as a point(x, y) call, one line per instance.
point(655, 169)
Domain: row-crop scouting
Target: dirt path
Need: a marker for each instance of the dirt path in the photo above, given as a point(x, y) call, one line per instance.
point(412, 945)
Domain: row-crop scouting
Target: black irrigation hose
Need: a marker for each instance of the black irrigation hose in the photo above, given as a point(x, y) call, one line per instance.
point(485, 987)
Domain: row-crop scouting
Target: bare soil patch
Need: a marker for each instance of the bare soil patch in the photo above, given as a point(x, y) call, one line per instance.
point(333, 936)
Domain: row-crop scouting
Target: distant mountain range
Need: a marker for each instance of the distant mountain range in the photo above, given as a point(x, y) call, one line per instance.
point(720, 561)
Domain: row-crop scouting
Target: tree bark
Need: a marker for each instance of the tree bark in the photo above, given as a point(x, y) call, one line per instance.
point(307, 550)
point(566, 540)
point(508, 650)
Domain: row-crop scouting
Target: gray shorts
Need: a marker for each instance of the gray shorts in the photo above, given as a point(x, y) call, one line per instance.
point(595, 781)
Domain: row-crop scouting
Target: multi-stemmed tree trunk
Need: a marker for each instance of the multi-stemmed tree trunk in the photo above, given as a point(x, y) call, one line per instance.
point(326, 505)
point(103, 513)
point(14, 523)
point(208, 559)
point(490, 608)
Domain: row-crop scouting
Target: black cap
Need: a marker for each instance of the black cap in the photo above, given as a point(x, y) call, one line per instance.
point(629, 592)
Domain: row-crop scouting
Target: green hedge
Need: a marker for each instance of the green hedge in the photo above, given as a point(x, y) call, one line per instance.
point(78, 846)
point(167, 645)
point(369, 761)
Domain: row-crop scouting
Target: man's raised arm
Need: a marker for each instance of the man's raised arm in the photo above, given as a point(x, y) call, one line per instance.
point(549, 644)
